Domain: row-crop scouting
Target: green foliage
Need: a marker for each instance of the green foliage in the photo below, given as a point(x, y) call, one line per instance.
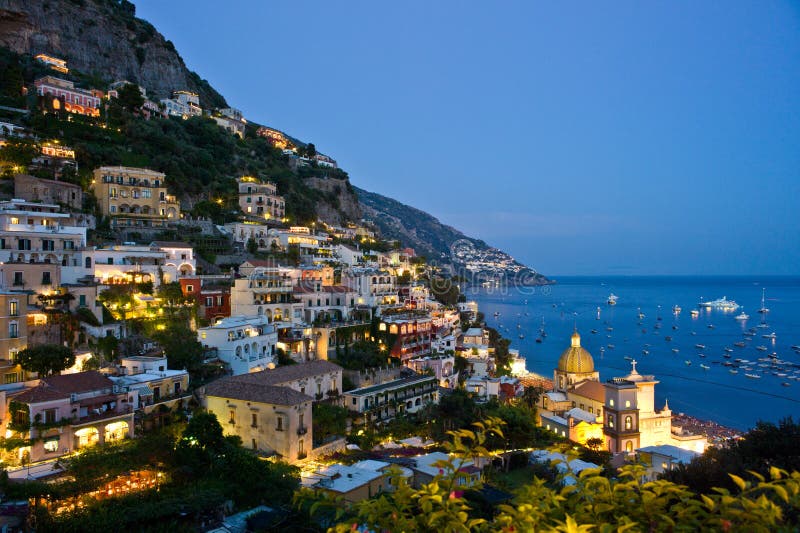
point(85, 314)
point(181, 346)
point(46, 359)
point(361, 355)
point(328, 420)
point(590, 503)
point(763, 447)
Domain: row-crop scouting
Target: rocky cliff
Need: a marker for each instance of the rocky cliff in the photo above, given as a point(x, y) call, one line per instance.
point(101, 38)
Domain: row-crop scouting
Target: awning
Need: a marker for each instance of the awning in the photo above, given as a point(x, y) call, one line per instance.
point(144, 391)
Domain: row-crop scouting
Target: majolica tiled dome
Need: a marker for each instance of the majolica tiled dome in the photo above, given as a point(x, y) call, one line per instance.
point(576, 359)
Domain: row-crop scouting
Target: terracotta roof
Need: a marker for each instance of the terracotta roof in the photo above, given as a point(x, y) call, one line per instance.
point(254, 392)
point(593, 390)
point(62, 386)
point(287, 373)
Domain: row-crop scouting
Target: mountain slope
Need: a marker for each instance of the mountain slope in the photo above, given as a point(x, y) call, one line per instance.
point(443, 244)
point(102, 38)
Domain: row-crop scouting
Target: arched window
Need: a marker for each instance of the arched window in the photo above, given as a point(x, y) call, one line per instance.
point(611, 421)
point(628, 422)
point(238, 351)
point(629, 446)
point(88, 262)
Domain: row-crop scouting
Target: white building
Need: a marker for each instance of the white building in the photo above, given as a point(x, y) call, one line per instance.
point(374, 288)
point(269, 292)
point(183, 104)
point(663, 458)
point(32, 232)
point(133, 263)
point(245, 343)
point(380, 403)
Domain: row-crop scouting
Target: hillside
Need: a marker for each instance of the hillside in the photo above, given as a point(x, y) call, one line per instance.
point(104, 40)
point(443, 244)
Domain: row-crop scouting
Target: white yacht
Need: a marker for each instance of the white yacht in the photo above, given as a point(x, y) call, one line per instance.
point(722, 304)
point(612, 299)
point(742, 316)
point(763, 309)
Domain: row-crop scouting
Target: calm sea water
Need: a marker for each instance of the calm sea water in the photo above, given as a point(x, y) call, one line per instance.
point(715, 394)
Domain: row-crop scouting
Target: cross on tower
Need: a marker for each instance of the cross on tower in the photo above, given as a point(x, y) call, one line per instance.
point(633, 364)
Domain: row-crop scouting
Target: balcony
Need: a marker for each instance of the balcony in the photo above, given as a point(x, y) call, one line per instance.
point(302, 430)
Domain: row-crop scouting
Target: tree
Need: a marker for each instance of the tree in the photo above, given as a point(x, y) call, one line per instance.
point(130, 98)
point(181, 347)
point(46, 359)
point(328, 420)
point(252, 245)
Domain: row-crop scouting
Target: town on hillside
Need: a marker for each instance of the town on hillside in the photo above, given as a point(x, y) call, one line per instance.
point(317, 347)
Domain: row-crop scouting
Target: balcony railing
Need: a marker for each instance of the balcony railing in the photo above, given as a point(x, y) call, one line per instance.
point(302, 430)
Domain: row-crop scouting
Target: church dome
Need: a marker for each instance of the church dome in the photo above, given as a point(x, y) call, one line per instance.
point(576, 359)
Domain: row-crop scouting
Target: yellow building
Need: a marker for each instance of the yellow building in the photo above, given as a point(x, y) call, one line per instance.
point(273, 420)
point(260, 199)
point(134, 197)
point(13, 335)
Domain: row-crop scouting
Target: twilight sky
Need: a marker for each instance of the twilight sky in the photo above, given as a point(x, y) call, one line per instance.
point(622, 138)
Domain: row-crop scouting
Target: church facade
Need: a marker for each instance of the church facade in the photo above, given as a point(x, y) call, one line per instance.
point(621, 411)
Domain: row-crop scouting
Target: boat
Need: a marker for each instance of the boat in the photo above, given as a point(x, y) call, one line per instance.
point(539, 340)
point(742, 316)
point(688, 363)
point(676, 309)
point(701, 355)
point(700, 346)
point(733, 371)
point(628, 358)
point(704, 367)
point(521, 336)
point(612, 299)
point(594, 331)
point(641, 315)
point(729, 350)
point(711, 326)
point(645, 352)
point(752, 376)
point(610, 346)
point(727, 356)
point(695, 313)
point(675, 350)
point(496, 314)
point(667, 338)
point(769, 336)
point(761, 348)
point(723, 304)
point(763, 309)
point(786, 384)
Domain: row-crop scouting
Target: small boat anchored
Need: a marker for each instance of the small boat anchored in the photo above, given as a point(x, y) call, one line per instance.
point(612, 299)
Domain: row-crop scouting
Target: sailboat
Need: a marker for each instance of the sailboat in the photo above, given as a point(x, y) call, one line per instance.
point(763, 309)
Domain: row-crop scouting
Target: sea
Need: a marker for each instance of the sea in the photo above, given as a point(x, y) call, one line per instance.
point(714, 393)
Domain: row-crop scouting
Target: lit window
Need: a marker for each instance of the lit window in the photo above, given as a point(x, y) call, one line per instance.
point(627, 403)
point(611, 402)
point(51, 445)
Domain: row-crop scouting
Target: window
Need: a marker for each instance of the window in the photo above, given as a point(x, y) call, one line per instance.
point(13, 377)
point(254, 420)
point(113, 209)
point(255, 446)
point(18, 278)
point(110, 261)
point(611, 402)
point(209, 301)
point(69, 245)
point(231, 416)
point(88, 262)
point(146, 193)
point(13, 308)
point(219, 301)
point(48, 245)
point(13, 330)
point(46, 278)
point(627, 403)
point(156, 393)
point(190, 288)
point(50, 416)
point(301, 425)
point(628, 422)
point(629, 446)
point(611, 421)
point(82, 300)
point(24, 244)
point(51, 445)
point(279, 421)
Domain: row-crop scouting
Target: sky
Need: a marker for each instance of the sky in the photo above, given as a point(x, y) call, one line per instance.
point(583, 138)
